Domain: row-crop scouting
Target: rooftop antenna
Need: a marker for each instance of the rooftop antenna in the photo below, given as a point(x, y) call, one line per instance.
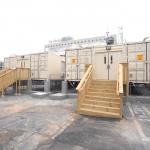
point(120, 35)
point(107, 31)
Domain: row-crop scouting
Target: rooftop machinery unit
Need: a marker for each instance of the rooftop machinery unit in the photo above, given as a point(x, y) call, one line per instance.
point(106, 59)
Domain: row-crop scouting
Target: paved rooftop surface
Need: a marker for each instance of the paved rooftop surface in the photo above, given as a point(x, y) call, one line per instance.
point(28, 123)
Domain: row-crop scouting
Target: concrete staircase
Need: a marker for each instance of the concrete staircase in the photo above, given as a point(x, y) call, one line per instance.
point(102, 100)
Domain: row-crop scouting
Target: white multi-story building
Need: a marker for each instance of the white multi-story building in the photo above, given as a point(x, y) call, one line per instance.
point(60, 47)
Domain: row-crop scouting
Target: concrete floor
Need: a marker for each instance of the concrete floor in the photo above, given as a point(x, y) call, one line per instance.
point(28, 123)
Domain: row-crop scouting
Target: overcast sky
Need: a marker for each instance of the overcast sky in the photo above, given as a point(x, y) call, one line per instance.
point(26, 25)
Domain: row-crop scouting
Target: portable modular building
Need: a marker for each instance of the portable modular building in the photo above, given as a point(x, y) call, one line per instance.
point(10, 62)
point(106, 59)
point(47, 66)
point(43, 66)
point(23, 61)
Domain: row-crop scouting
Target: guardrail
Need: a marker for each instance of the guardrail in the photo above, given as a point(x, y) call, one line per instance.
point(83, 86)
point(123, 79)
point(13, 76)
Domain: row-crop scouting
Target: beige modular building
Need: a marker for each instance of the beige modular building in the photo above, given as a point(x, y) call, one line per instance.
point(106, 59)
point(10, 62)
point(43, 66)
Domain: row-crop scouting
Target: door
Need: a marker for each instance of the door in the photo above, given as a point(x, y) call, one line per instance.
point(43, 65)
point(137, 62)
point(114, 60)
point(75, 63)
point(101, 66)
point(106, 64)
point(71, 64)
point(34, 66)
point(84, 56)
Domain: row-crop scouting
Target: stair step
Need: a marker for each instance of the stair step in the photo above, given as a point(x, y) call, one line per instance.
point(101, 108)
point(103, 87)
point(104, 81)
point(100, 98)
point(98, 113)
point(104, 94)
point(101, 90)
point(104, 84)
point(102, 103)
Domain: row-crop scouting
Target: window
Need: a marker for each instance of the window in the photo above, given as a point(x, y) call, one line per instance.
point(74, 42)
point(71, 43)
point(96, 39)
point(105, 59)
point(100, 39)
point(88, 40)
point(92, 40)
point(84, 41)
point(78, 42)
point(68, 43)
point(21, 64)
point(24, 64)
point(56, 45)
point(62, 44)
point(111, 59)
point(81, 42)
point(51, 46)
point(65, 43)
point(59, 44)
point(48, 46)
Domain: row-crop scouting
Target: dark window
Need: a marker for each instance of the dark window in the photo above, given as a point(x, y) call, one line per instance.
point(84, 41)
point(96, 39)
point(68, 43)
point(92, 40)
point(59, 44)
point(78, 42)
point(51, 46)
point(111, 59)
point(81, 42)
point(88, 40)
point(104, 59)
point(74, 42)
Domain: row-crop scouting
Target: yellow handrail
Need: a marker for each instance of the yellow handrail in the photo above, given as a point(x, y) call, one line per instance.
point(12, 76)
point(123, 78)
point(83, 86)
point(85, 78)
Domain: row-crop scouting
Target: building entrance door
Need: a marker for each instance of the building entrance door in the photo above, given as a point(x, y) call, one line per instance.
point(106, 64)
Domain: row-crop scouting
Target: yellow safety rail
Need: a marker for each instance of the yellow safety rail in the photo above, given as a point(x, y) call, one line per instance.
point(123, 78)
point(13, 76)
point(4, 71)
point(83, 86)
